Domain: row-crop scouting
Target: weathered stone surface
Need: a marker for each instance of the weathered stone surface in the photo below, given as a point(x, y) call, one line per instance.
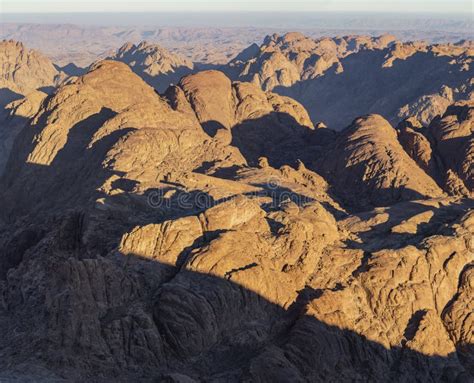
point(369, 166)
point(285, 60)
point(453, 138)
point(156, 65)
point(23, 71)
point(212, 234)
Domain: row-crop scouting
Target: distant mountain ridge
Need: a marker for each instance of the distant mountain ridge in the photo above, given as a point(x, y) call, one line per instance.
point(82, 44)
point(156, 65)
point(337, 79)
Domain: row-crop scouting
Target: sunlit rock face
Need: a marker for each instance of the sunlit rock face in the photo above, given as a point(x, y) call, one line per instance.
point(287, 59)
point(26, 77)
point(156, 65)
point(214, 233)
point(337, 79)
point(24, 70)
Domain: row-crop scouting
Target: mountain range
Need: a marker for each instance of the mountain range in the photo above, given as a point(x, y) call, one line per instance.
point(302, 213)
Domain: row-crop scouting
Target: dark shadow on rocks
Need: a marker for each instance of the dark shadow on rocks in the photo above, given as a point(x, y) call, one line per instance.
point(277, 136)
point(75, 173)
point(10, 127)
point(139, 319)
point(162, 81)
point(7, 96)
point(49, 90)
point(72, 69)
point(279, 195)
point(74, 307)
point(403, 228)
point(212, 127)
point(125, 184)
point(200, 66)
point(365, 86)
point(205, 166)
point(176, 202)
point(229, 173)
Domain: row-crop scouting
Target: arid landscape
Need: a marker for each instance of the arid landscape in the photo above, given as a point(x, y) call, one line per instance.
point(237, 204)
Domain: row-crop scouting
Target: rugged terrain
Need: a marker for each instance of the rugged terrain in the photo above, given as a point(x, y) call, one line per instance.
point(337, 79)
point(214, 232)
point(154, 64)
point(210, 38)
point(26, 76)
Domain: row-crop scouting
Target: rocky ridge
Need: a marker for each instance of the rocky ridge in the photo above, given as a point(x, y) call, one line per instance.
point(24, 71)
point(293, 57)
point(214, 233)
point(26, 77)
point(156, 65)
point(337, 79)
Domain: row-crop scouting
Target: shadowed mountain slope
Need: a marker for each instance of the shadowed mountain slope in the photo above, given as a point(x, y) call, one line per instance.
point(338, 79)
point(369, 166)
point(156, 65)
point(214, 234)
point(23, 73)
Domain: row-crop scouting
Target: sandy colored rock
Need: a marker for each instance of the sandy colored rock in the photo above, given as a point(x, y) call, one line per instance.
point(426, 108)
point(369, 166)
point(156, 65)
point(24, 71)
point(283, 60)
point(452, 135)
point(213, 234)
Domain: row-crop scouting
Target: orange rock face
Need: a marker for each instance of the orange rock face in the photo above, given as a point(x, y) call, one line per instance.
point(212, 233)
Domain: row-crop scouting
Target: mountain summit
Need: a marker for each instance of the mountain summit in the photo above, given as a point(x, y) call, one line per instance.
point(156, 65)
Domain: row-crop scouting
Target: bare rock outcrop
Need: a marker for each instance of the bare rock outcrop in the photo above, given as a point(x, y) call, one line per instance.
point(285, 60)
point(14, 117)
point(426, 108)
point(453, 138)
point(23, 71)
point(412, 136)
point(156, 65)
point(181, 297)
point(406, 78)
point(369, 166)
point(213, 234)
point(256, 122)
point(110, 122)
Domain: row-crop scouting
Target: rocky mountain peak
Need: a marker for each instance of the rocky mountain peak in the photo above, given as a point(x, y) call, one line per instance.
point(155, 64)
point(24, 70)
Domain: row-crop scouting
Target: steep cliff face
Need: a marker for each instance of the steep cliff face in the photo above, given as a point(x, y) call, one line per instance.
point(453, 138)
point(13, 118)
point(23, 73)
point(427, 107)
point(213, 233)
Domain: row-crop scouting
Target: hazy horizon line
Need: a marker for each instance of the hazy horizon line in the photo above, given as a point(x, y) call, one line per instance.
point(249, 11)
point(390, 21)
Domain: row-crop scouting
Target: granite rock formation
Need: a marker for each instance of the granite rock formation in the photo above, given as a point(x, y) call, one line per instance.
point(214, 233)
point(338, 79)
point(156, 65)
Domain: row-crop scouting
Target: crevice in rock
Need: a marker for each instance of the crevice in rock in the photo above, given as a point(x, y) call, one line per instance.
point(364, 265)
point(228, 274)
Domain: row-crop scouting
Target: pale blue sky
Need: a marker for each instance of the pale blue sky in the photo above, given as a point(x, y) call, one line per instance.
point(440, 6)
